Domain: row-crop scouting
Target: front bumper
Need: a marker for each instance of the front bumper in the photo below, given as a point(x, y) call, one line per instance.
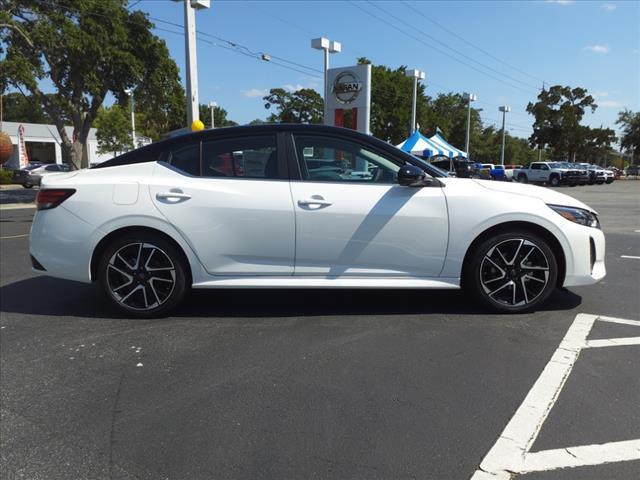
point(586, 265)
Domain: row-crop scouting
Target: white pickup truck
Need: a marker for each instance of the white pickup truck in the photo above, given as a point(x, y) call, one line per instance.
point(553, 173)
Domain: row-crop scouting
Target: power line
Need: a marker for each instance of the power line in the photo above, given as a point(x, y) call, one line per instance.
point(458, 52)
point(386, 22)
point(471, 43)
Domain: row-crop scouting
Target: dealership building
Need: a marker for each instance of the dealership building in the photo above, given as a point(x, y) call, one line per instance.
point(42, 144)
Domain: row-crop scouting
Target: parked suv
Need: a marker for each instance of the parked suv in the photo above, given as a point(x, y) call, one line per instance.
point(553, 173)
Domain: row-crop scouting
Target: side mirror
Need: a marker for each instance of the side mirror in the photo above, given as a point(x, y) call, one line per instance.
point(412, 176)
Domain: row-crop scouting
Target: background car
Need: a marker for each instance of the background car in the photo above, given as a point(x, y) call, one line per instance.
point(33, 173)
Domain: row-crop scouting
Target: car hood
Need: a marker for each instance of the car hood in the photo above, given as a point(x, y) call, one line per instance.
point(547, 195)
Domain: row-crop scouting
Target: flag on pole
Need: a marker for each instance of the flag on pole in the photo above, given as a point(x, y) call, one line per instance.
point(23, 156)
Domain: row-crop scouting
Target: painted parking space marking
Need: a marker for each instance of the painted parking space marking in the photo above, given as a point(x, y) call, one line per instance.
point(511, 454)
point(630, 256)
point(14, 236)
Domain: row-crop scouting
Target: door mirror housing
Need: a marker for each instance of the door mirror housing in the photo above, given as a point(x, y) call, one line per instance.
point(412, 176)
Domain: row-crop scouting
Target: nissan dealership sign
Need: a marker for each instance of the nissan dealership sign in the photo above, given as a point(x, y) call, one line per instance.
point(349, 91)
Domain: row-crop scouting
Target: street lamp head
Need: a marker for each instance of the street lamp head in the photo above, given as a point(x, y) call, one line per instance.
point(413, 73)
point(129, 91)
point(335, 47)
point(213, 104)
point(504, 108)
point(470, 97)
point(320, 43)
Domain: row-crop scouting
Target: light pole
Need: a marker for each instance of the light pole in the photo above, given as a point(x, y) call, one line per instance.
point(504, 109)
point(469, 97)
point(328, 46)
point(190, 56)
point(416, 75)
point(212, 108)
point(129, 91)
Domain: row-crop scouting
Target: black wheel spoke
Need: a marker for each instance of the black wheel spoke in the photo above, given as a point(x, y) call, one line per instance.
point(519, 280)
point(141, 276)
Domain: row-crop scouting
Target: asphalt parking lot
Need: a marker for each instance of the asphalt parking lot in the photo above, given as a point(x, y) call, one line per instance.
point(323, 384)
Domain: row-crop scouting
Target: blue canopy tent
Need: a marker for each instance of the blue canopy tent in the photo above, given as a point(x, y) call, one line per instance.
point(418, 144)
point(442, 143)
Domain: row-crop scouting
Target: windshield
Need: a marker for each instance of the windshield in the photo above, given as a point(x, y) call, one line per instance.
point(556, 165)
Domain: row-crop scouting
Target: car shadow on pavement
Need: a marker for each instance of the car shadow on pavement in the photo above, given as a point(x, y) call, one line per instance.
point(52, 297)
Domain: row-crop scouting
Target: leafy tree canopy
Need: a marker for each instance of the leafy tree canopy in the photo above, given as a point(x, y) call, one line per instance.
point(87, 49)
point(219, 116)
point(113, 130)
point(302, 106)
point(18, 108)
point(630, 140)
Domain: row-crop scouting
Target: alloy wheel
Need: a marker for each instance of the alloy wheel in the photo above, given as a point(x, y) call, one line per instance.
point(514, 272)
point(141, 276)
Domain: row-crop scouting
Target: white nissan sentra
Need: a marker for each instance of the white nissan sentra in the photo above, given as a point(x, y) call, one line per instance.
point(305, 206)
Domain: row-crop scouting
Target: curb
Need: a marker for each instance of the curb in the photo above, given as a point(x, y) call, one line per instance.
point(17, 206)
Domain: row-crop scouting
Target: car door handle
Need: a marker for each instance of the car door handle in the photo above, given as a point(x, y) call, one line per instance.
point(314, 200)
point(173, 196)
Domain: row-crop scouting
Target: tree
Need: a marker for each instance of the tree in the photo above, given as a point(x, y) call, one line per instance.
point(302, 106)
point(18, 108)
point(219, 116)
point(87, 49)
point(558, 113)
point(113, 129)
point(630, 140)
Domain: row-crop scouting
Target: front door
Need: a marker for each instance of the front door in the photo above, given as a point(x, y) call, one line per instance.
point(353, 219)
point(233, 206)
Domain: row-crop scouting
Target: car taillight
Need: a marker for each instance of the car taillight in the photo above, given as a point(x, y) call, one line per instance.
point(52, 197)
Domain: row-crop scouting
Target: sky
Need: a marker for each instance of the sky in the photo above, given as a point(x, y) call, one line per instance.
point(501, 51)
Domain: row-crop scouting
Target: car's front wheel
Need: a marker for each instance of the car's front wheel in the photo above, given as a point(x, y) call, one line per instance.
point(143, 275)
point(512, 272)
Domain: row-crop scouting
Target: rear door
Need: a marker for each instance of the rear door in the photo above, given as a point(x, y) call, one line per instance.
point(353, 219)
point(230, 199)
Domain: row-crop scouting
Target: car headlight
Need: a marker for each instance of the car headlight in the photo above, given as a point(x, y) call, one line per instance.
point(577, 215)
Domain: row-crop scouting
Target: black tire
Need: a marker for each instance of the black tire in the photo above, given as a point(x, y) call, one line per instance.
point(522, 178)
point(492, 177)
point(143, 275)
point(554, 180)
point(609, 181)
point(519, 260)
point(27, 185)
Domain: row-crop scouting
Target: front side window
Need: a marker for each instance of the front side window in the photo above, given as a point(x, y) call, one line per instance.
point(332, 159)
point(242, 157)
point(186, 158)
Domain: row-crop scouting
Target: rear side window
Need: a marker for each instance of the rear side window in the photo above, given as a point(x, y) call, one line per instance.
point(242, 157)
point(186, 158)
point(535, 166)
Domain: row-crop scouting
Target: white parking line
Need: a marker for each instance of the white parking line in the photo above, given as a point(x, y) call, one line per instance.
point(14, 236)
point(511, 452)
point(629, 256)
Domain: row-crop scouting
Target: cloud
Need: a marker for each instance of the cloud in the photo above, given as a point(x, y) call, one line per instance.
point(609, 7)
point(597, 48)
point(293, 88)
point(609, 104)
point(255, 92)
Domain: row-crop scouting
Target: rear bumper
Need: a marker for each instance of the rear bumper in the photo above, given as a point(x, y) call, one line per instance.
point(59, 241)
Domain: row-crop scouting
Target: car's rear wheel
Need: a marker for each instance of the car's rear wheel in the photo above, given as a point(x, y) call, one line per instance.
point(512, 272)
point(27, 185)
point(522, 178)
point(143, 275)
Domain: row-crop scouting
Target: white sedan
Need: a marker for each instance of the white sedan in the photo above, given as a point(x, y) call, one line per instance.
point(305, 206)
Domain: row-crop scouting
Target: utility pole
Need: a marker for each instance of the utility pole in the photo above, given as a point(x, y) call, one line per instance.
point(190, 6)
point(327, 46)
point(129, 91)
point(504, 109)
point(212, 107)
point(469, 97)
point(416, 75)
